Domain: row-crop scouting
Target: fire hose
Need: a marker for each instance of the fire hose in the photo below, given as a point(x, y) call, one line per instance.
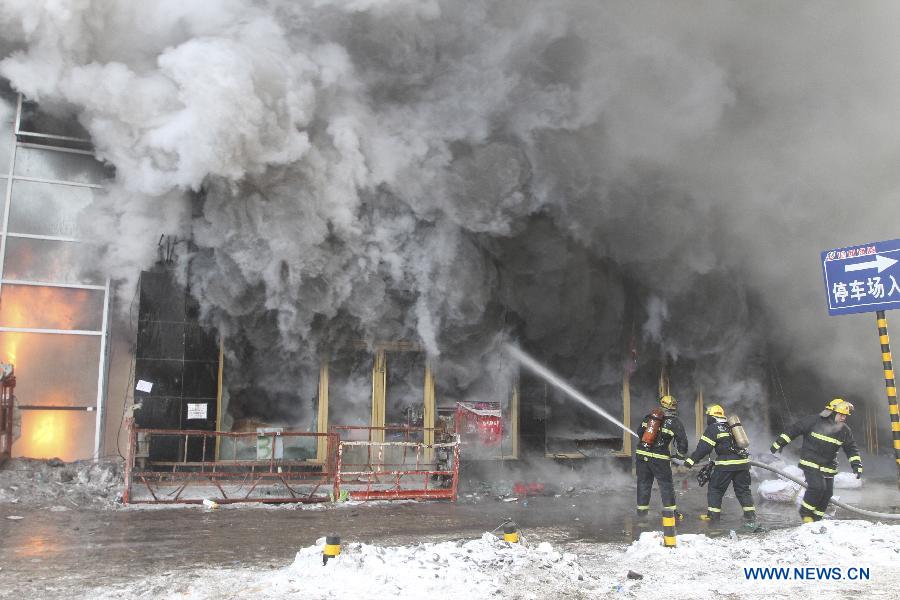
point(859, 511)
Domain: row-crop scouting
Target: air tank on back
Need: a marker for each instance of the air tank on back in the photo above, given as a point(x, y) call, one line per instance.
point(737, 431)
point(654, 424)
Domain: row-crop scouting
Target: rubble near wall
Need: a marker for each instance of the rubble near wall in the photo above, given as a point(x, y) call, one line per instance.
point(54, 483)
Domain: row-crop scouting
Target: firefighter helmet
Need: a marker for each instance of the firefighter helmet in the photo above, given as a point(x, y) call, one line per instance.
point(841, 406)
point(668, 401)
point(715, 410)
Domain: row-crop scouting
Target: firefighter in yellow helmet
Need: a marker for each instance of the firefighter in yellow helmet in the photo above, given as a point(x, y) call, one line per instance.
point(731, 467)
point(823, 435)
point(652, 458)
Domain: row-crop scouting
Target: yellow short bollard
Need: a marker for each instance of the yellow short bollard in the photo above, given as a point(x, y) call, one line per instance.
point(668, 528)
point(332, 548)
point(510, 533)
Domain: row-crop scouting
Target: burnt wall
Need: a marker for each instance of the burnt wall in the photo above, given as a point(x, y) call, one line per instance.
point(180, 358)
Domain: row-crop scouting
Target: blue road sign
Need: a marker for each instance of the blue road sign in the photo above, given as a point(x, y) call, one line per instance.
point(862, 278)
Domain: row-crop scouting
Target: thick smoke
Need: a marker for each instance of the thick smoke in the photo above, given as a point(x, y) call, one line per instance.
point(568, 174)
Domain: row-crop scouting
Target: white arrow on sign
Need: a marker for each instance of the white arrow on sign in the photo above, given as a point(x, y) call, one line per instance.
point(880, 262)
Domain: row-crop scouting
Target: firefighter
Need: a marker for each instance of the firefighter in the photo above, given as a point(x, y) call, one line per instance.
point(823, 435)
point(657, 431)
point(731, 466)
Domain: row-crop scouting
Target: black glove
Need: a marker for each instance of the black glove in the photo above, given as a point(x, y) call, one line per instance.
point(774, 450)
point(859, 474)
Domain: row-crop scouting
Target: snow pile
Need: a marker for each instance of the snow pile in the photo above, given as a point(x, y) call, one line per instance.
point(484, 568)
point(783, 490)
point(446, 569)
point(54, 482)
point(702, 567)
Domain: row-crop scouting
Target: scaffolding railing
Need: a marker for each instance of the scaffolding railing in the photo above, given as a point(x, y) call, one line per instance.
point(168, 466)
point(190, 466)
point(402, 468)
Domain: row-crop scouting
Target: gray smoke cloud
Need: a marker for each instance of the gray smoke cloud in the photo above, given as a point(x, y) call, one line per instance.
point(566, 173)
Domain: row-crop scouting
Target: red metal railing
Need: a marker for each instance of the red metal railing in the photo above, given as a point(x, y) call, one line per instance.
point(399, 468)
point(198, 466)
point(204, 462)
point(7, 389)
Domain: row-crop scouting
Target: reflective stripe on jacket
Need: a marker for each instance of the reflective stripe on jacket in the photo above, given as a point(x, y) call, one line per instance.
point(718, 437)
point(822, 438)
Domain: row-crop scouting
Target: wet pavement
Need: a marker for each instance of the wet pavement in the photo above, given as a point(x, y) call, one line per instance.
point(49, 552)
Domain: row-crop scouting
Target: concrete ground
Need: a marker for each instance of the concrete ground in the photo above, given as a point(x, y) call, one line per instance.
point(51, 552)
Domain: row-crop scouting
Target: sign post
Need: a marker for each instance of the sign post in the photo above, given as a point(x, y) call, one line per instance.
point(867, 279)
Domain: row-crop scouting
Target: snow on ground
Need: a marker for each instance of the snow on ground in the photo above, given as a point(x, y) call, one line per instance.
point(482, 568)
point(82, 484)
point(700, 567)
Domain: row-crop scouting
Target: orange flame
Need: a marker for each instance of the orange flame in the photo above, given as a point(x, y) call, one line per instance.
point(48, 430)
point(48, 307)
point(60, 434)
point(47, 433)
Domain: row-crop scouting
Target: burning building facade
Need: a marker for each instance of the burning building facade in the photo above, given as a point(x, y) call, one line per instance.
point(461, 176)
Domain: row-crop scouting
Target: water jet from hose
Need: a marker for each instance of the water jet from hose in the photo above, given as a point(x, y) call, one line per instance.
point(557, 382)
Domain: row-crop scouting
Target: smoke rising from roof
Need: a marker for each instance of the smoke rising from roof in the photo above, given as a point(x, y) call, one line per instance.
point(464, 173)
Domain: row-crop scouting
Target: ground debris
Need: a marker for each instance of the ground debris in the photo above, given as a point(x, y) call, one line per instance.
point(43, 483)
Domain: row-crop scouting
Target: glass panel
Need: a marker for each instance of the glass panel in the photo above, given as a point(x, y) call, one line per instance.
point(37, 120)
point(64, 434)
point(8, 101)
point(61, 166)
point(350, 389)
point(51, 261)
point(50, 308)
point(7, 140)
point(47, 208)
point(53, 369)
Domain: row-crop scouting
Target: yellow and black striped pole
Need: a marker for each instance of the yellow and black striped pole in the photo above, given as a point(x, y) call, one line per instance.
point(891, 385)
point(511, 533)
point(332, 547)
point(668, 528)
